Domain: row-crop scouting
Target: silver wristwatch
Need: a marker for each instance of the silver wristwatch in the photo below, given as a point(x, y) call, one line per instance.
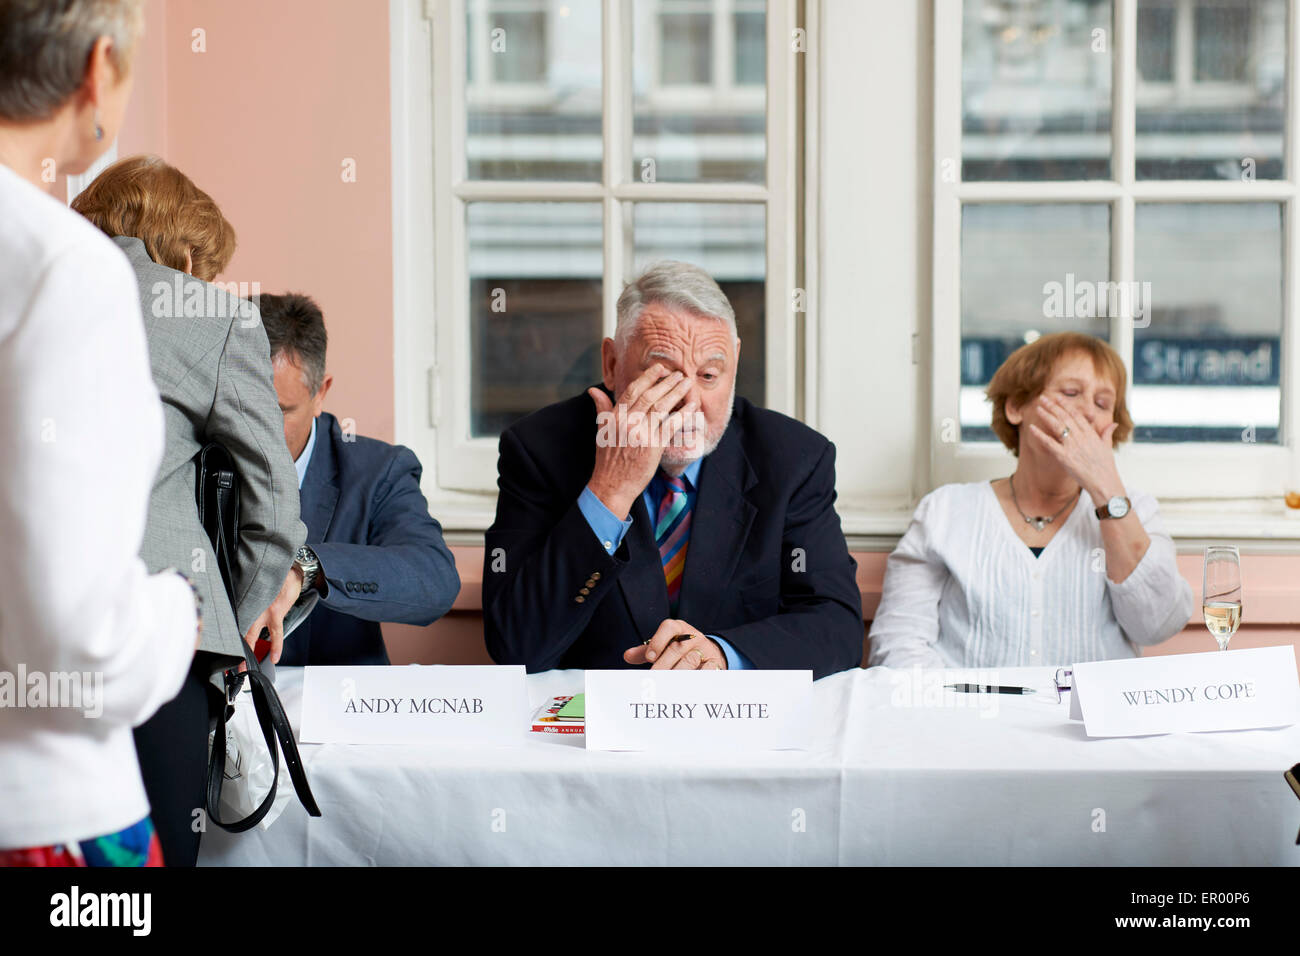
point(1116, 507)
point(309, 564)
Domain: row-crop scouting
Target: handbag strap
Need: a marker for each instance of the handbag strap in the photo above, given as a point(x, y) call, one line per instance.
point(223, 500)
point(221, 496)
point(275, 724)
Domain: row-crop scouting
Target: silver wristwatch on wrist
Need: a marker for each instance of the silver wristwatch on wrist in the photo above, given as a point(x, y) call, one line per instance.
point(309, 564)
point(1116, 507)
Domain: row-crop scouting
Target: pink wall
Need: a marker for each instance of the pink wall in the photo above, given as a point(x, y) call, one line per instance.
point(145, 128)
point(263, 120)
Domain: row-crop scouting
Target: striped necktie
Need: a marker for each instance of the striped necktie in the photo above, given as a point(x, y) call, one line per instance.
point(673, 533)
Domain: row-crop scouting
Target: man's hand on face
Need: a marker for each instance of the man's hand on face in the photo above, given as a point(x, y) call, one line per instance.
point(677, 645)
point(645, 419)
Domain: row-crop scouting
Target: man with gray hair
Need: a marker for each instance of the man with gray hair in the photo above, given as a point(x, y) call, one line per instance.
point(660, 521)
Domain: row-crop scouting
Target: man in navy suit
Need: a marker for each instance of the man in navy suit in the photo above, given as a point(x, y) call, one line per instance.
point(661, 521)
point(378, 554)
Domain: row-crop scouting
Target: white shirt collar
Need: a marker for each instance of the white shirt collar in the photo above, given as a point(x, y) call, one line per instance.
point(301, 462)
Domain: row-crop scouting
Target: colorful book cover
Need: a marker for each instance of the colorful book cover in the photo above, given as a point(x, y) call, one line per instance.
point(547, 720)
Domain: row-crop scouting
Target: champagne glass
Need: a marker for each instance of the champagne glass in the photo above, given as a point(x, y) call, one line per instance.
point(1221, 590)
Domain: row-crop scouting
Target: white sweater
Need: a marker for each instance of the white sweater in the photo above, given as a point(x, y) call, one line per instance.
point(962, 590)
point(81, 437)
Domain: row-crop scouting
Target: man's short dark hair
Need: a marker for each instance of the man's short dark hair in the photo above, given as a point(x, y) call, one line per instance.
point(295, 328)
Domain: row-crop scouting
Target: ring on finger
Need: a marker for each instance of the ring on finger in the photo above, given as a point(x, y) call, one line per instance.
point(1065, 433)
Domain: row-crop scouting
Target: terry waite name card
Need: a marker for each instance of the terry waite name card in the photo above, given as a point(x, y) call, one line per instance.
point(1216, 690)
point(698, 711)
point(415, 704)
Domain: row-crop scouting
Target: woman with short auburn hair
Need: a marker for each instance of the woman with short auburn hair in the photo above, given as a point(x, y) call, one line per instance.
point(1057, 563)
point(81, 430)
point(180, 225)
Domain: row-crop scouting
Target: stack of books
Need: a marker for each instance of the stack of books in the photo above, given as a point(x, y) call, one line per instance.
point(560, 715)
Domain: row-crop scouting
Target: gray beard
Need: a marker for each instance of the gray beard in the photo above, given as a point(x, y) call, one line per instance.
point(673, 454)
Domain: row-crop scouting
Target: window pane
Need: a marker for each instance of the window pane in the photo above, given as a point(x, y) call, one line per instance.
point(533, 99)
point(1206, 366)
point(1026, 271)
point(727, 240)
point(523, 60)
point(534, 306)
point(1222, 41)
point(696, 119)
point(751, 49)
point(1036, 91)
point(1211, 89)
point(1155, 42)
point(685, 49)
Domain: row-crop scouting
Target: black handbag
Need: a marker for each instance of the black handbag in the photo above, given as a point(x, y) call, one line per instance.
point(216, 493)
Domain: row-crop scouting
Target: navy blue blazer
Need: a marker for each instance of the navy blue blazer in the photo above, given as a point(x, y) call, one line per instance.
point(767, 567)
point(382, 554)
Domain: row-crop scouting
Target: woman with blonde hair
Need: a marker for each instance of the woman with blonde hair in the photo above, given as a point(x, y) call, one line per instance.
point(212, 365)
point(81, 430)
point(1058, 562)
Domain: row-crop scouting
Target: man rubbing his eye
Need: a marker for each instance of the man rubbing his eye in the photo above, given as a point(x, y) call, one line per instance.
point(658, 521)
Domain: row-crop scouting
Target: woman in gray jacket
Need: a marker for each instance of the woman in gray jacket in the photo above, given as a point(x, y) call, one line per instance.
point(212, 366)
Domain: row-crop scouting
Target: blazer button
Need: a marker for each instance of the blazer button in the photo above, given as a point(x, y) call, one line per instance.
point(585, 591)
point(595, 575)
point(579, 599)
point(591, 582)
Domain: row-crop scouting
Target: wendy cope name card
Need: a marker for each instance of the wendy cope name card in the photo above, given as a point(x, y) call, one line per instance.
point(437, 703)
point(1181, 693)
point(698, 711)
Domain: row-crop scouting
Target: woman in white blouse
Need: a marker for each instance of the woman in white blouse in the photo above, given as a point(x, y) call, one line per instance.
point(81, 437)
point(1057, 563)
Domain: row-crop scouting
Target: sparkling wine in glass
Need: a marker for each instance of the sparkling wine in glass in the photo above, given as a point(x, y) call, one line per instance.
point(1221, 587)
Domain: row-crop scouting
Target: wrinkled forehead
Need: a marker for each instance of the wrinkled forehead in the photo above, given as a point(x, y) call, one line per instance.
point(664, 332)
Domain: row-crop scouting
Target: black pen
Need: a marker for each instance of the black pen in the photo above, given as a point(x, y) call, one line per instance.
point(988, 689)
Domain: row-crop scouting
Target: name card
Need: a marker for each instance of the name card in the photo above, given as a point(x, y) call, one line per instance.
point(698, 711)
point(415, 704)
point(1181, 693)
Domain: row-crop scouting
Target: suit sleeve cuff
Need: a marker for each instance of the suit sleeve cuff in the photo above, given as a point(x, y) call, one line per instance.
point(608, 527)
point(736, 661)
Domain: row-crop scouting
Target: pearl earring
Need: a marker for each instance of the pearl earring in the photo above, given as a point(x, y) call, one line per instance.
point(99, 130)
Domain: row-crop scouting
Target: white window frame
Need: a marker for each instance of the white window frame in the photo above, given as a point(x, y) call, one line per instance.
point(1211, 489)
point(430, 192)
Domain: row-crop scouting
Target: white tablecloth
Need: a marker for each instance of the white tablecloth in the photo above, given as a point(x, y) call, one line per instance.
point(899, 772)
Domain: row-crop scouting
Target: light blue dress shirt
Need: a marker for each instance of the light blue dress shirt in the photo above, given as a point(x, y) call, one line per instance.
point(302, 461)
point(610, 529)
